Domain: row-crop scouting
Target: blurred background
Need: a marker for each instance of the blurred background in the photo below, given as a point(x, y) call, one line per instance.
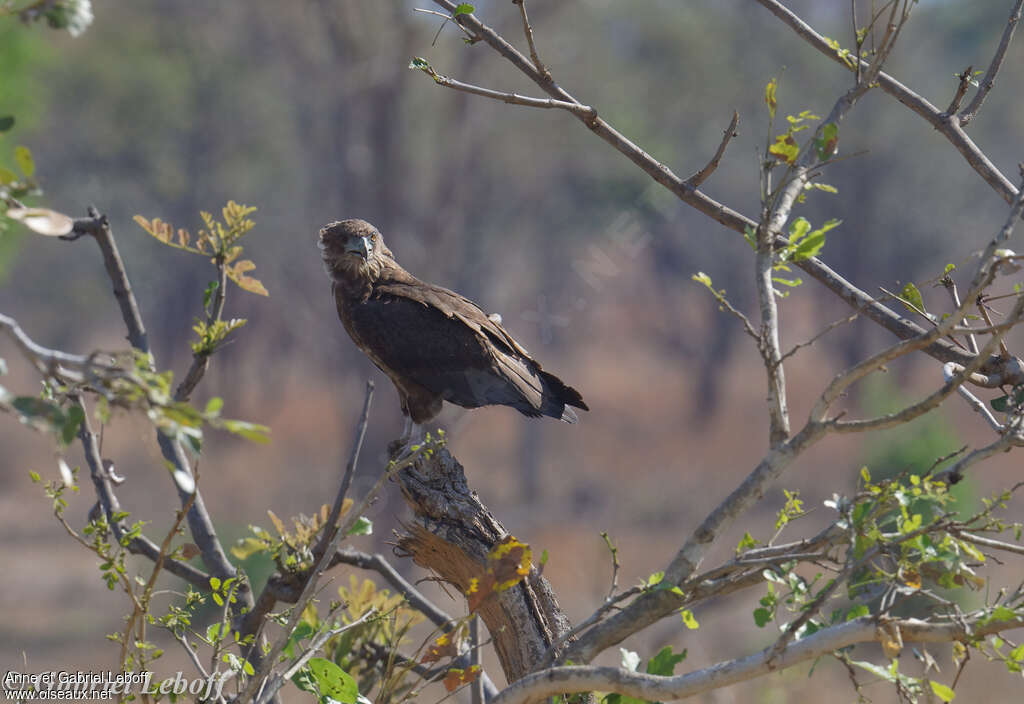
point(307, 110)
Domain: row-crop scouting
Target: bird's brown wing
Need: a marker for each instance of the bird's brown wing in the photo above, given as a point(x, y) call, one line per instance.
point(445, 343)
point(454, 306)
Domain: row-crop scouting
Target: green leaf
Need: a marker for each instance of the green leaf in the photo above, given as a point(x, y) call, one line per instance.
point(208, 293)
point(748, 235)
point(1000, 404)
point(216, 631)
point(34, 476)
point(943, 692)
point(23, 158)
point(746, 542)
point(75, 416)
point(215, 583)
point(32, 407)
point(826, 145)
point(6, 123)
point(249, 431)
point(857, 611)
point(792, 283)
point(762, 617)
point(214, 405)
point(664, 663)
point(301, 632)
point(463, 9)
point(910, 294)
point(654, 579)
point(363, 526)
point(798, 230)
point(812, 244)
point(7, 176)
point(689, 620)
point(332, 681)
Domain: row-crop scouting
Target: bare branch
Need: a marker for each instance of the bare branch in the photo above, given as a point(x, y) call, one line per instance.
point(826, 330)
point(948, 125)
point(948, 371)
point(53, 363)
point(512, 98)
point(720, 213)
point(988, 542)
point(918, 409)
point(1011, 437)
point(350, 470)
point(993, 68)
point(528, 31)
point(709, 168)
point(862, 630)
point(961, 89)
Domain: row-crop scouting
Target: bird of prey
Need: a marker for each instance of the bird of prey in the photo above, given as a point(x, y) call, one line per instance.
point(433, 344)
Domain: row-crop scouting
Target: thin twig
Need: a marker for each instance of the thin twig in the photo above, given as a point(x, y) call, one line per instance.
point(528, 31)
point(954, 474)
point(201, 360)
point(988, 542)
point(950, 285)
point(476, 688)
point(512, 98)
point(948, 372)
point(826, 330)
point(312, 579)
point(989, 79)
point(416, 599)
point(350, 469)
point(709, 168)
point(961, 90)
point(947, 125)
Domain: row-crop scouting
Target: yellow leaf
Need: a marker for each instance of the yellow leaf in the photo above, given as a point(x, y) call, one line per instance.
point(278, 523)
point(247, 283)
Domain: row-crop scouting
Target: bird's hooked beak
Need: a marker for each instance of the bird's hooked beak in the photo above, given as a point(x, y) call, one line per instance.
point(363, 246)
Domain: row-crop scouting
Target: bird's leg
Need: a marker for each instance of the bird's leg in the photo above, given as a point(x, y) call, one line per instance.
point(407, 431)
point(419, 434)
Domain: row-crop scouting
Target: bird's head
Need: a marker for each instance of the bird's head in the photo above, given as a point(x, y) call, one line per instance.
point(353, 250)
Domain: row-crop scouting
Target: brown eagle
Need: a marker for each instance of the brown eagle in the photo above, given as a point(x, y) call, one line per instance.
point(433, 344)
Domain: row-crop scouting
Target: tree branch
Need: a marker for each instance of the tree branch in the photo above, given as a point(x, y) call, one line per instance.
point(512, 98)
point(652, 687)
point(901, 327)
point(709, 168)
point(330, 526)
point(948, 125)
point(971, 111)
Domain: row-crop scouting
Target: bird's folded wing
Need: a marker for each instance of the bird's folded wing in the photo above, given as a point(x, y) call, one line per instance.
point(453, 306)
